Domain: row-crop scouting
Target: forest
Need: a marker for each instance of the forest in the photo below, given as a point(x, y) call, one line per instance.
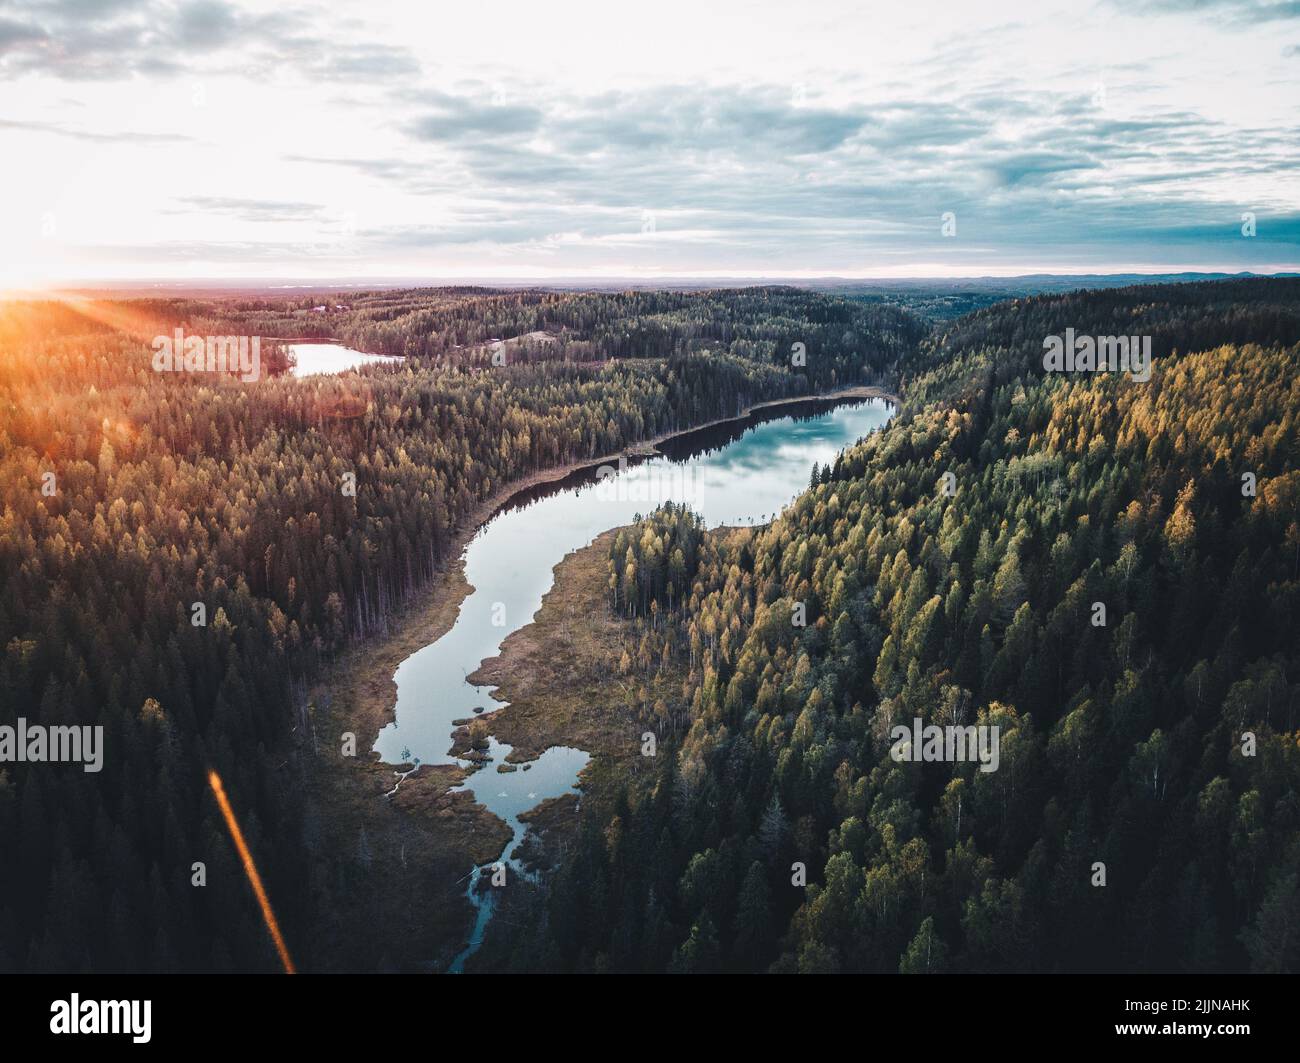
point(1145, 815)
point(947, 567)
point(132, 497)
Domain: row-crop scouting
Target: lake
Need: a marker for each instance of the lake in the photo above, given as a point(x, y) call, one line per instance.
point(313, 358)
point(742, 472)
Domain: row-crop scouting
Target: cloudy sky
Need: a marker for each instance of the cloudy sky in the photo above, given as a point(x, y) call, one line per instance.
point(212, 138)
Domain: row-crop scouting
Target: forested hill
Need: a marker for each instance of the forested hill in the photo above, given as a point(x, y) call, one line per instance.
point(453, 326)
point(991, 346)
point(181, 553)
point(1152, 746)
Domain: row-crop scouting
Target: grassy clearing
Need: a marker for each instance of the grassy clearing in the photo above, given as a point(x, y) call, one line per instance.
point(560, 673)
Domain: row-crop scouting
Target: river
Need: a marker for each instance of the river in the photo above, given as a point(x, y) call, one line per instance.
point(742, 472)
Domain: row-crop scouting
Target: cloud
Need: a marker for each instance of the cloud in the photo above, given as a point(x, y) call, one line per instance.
point(254, 210)
point(1237, 12)
point(437, 146)
point(119, 137)
point(16, 34)
point(707, 121)
point(458, 117)
point(1034, 167)
point(758, 171)
point(86, 40)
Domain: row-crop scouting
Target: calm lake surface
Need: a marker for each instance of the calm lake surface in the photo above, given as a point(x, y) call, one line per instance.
point(740, 473)
point(316, 358)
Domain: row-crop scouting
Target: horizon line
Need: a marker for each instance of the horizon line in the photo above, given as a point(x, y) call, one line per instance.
point(286, 284)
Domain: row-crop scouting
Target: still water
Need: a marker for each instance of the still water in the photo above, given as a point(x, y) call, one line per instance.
point(313, 358)
point(740, 473)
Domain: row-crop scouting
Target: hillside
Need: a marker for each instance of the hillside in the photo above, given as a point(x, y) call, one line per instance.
point(1157, 737)
point(183, 554)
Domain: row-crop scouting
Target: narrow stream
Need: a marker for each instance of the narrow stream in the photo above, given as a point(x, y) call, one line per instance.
point(743, 472)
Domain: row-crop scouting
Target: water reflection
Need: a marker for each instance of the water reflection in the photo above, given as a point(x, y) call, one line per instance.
point(737, 473)
point(313, 358)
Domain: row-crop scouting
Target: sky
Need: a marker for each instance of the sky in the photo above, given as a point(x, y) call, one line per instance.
point(573, 139)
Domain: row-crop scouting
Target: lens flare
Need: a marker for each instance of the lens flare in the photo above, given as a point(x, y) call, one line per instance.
point(250, 869)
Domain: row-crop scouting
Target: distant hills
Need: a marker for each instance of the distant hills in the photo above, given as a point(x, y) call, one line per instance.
point(1002, 287)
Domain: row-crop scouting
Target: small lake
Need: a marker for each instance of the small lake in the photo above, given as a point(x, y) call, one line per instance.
point(314, 358)
point(743, 472)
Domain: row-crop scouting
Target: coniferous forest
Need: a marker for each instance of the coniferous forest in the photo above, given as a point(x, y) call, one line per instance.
point(1162, 743)
point(546, 493)
point(130, 496)
point(948, 567)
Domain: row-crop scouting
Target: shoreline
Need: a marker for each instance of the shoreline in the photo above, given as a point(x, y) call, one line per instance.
point(356, 693)
point(641, 448)
point(449, 587)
